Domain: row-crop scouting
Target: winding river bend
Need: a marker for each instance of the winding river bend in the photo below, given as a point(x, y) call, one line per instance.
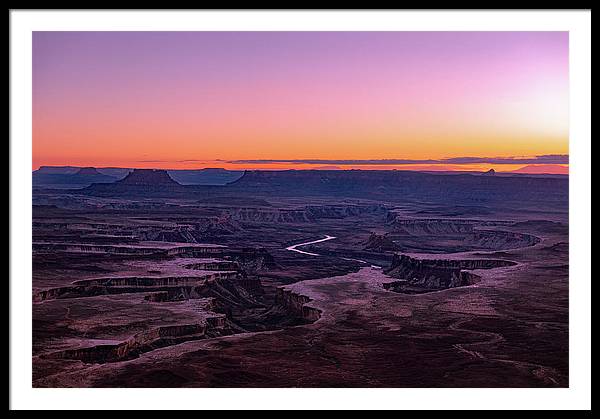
point(294, 248)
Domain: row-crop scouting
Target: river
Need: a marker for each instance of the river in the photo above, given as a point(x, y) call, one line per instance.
point(294, 247)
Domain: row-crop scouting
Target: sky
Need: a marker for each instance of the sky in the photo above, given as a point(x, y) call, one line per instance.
point(276, 100)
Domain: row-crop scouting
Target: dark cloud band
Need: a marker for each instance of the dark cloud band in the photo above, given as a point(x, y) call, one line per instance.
point(545, 159)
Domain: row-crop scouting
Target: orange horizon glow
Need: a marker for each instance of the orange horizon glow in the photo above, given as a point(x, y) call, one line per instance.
point(500, 168)
point(189, 100)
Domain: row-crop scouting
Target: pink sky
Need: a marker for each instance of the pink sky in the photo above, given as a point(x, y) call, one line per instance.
point(126, 98)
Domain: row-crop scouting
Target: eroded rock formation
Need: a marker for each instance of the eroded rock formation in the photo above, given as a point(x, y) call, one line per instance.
point(425, 275)
point(147, 341)
point(146, 177)
point(297, 304)
point(380, 243)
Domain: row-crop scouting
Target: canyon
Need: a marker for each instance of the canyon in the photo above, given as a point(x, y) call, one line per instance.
point(300, 279)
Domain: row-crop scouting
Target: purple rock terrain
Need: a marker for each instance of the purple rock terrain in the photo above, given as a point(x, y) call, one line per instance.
point(323, 278)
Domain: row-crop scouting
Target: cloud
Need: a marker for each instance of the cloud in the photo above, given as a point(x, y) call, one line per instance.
point(544, 159)
point(177, 161)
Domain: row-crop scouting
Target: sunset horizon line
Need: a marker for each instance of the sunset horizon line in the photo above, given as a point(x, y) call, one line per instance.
point(552, 168)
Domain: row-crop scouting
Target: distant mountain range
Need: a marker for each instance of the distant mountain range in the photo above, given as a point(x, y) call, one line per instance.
point(525, 192)
point(72, 177)
point(208, 176)
point(398, 185)
point(69, 177)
